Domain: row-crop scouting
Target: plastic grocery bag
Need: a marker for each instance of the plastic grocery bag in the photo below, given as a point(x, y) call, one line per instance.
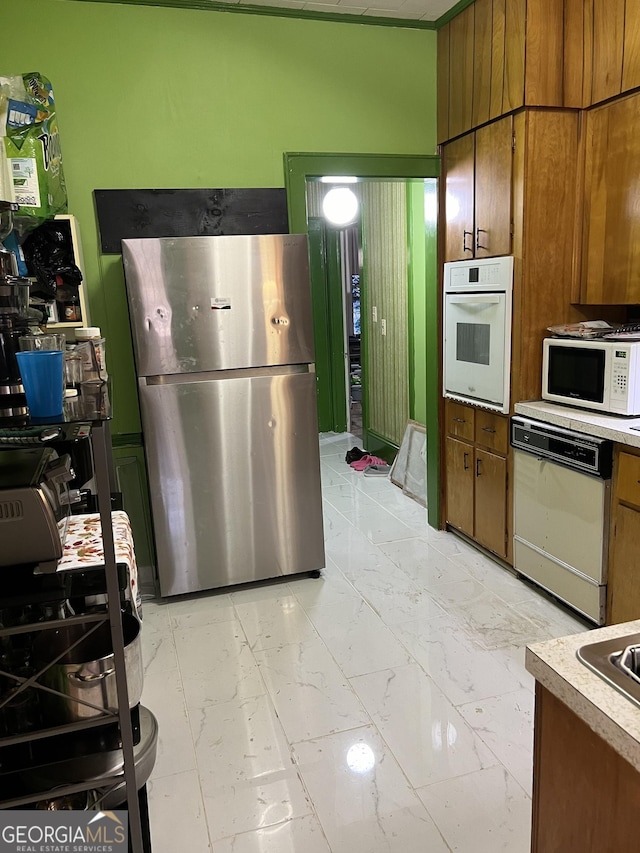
point(32, 146)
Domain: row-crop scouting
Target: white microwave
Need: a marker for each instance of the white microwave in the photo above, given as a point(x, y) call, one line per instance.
point(592, 374)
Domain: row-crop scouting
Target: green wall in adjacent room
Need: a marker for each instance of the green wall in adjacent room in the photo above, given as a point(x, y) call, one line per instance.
point(161, 97)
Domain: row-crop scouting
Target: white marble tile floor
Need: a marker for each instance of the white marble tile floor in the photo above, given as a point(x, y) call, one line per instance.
point(382, 708)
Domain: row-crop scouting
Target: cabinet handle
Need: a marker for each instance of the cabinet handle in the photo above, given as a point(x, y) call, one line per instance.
point(480, 231)
point(459, 420)
point(466, 248)
point(478, 467)
point(465, 467)
point(487, 429)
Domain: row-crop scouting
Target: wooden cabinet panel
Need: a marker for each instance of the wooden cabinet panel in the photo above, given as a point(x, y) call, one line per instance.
point(461, 72)
point(583, 791)
point(623, 585)
point(628, 479)
point(491, 501)
point(611, 233)
point(631, 52)
point(576, 51)
point(443, 83)
point(481, 62)
point(493, 189)
point(459, 420)
point(497, 58)
point(544, 59)
point(608, 39)
point(492, 431)
point(460, 474)
point(458, 168)
point(515, 21)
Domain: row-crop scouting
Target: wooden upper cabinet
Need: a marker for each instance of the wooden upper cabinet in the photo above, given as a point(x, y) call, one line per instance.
point(631, 50)
point(494, 145)
point(495, 57)
point(443, 83)
point(458, 168)
point(482, 62)
point(477, 184)
point(608, 41)
point(514, 52)
point(461, 48)
point(611, 231)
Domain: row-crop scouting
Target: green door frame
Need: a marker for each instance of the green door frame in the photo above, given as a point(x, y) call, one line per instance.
point(300, 167)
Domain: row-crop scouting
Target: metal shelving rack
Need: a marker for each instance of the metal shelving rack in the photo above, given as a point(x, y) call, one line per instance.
point(105, 485)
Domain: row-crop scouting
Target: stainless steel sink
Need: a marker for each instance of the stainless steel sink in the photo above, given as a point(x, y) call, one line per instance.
point(616, 661)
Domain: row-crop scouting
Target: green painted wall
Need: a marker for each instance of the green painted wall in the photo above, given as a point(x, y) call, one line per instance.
point(161, 97)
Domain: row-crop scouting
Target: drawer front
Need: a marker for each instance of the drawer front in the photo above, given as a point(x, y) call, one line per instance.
point(492, 431)
point(628, 484)
point(460, 420)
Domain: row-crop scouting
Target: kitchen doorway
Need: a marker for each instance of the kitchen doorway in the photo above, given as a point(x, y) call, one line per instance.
point(329, 320)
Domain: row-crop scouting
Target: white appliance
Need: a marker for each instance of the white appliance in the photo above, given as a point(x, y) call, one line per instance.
point(592, 374)
point(477, 331)
point(561, 512)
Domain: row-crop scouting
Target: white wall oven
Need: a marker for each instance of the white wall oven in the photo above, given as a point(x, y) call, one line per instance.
point(477, 331)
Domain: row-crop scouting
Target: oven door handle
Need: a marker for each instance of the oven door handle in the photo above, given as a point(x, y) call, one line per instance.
point(460, 300)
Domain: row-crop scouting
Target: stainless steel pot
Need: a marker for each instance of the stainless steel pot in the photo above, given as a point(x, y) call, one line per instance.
point(86, 673)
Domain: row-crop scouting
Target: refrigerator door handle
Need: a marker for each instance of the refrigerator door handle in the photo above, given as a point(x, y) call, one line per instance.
point(216, 375)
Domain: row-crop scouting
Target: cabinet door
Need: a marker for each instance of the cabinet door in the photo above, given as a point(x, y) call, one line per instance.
point(490, 473)
point(631, 53)
point(481, 62)
point(611, 234)
point(514, 54)
point(623, 588)
point(458, 158)
point(443, 83)
point(608, 38)
point(460, 485)
point(461, 72)
point(493, 184)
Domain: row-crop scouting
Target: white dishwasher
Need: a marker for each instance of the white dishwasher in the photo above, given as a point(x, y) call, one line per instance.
point(561, 512)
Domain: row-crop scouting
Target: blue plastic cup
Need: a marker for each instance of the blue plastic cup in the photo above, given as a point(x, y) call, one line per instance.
point(41, 372)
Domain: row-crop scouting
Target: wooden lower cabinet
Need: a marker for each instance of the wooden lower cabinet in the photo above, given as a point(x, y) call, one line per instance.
point(623, 582)
point(584, 793)
point(460, 477)
point(476, 475)
point(491, 501)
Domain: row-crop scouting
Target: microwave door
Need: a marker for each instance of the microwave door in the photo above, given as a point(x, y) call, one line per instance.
point(477, 347)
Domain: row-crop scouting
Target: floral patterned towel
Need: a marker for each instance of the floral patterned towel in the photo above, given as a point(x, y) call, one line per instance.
point(83, 546)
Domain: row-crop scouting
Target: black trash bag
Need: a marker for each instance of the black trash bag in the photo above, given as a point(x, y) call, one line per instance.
point(48, 254)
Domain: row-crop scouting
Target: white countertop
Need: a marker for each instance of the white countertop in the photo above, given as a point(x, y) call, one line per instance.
point(622, 430)
point(607, 712)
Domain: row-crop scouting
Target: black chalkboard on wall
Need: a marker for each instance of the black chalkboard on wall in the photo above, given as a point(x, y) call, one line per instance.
point(126, 214)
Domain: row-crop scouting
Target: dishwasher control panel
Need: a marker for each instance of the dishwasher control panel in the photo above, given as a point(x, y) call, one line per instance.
point(566, 447)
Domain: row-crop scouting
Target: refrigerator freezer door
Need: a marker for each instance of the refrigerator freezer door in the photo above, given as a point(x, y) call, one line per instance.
point(234, 469)
point(218, 303)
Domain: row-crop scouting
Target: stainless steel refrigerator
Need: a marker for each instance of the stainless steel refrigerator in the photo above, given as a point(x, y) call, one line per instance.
point(223, 343)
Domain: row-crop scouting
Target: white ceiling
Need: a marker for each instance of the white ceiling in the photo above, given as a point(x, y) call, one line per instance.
point(410, 10)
